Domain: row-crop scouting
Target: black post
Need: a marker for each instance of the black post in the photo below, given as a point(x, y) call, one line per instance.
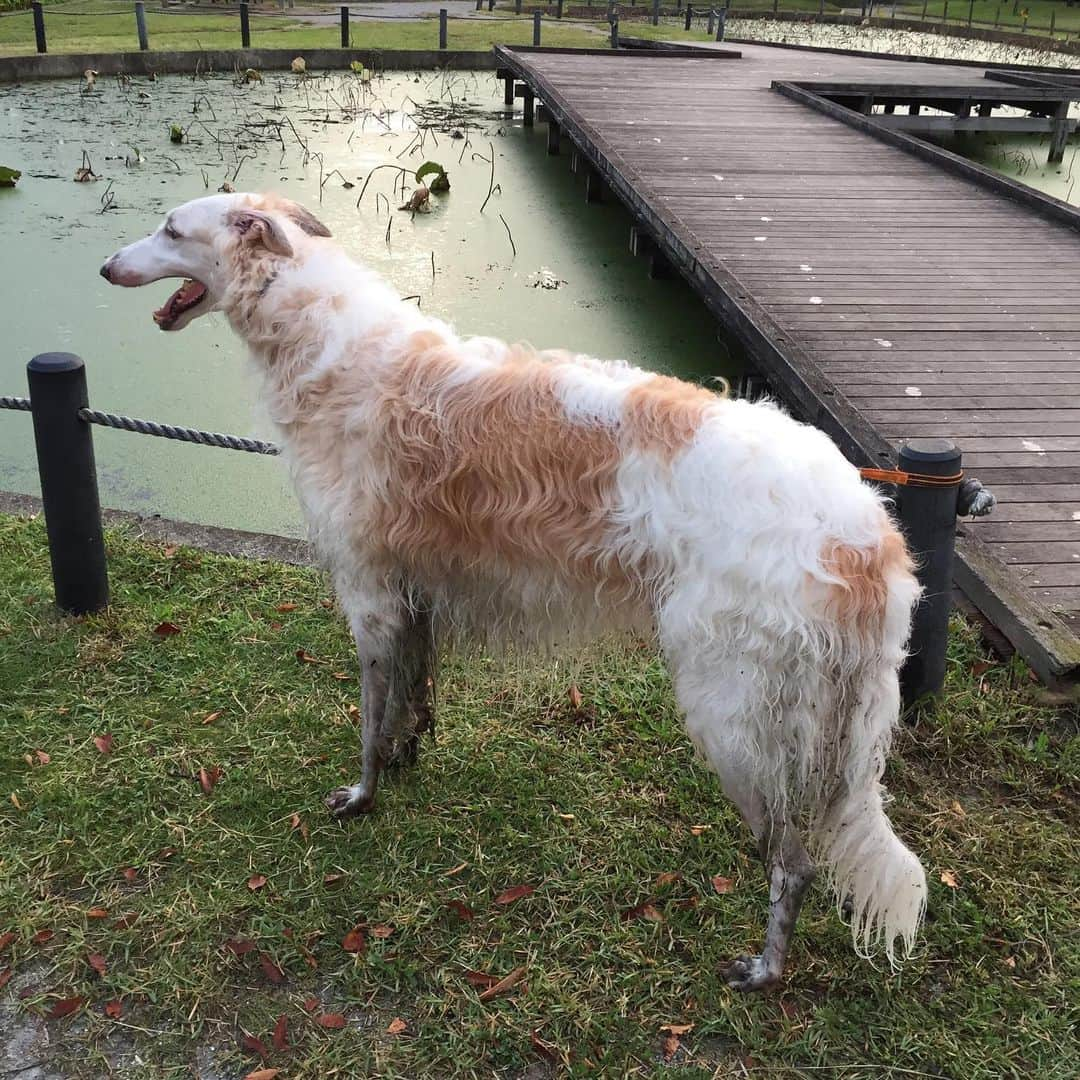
point(536, 28)
point(712, 22)
point(442, 28)
point(971, 11)
point(775, 6)
point(689, 17)
point(615, 30)
point(721, 20)
point(517, 7)
point(245, 27)
point(491, 5)
point(945, 12)
point(558, 9)
point(65, 454)
point(344, 27)
point(821, 8)
point(39, 27)
point(924, 6)
point(928, 519)
point(508, 91)
point(656, 12)
point(140, 26)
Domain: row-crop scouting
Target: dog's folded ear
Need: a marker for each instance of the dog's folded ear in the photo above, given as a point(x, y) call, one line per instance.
point(306, 220)
point(257, 228)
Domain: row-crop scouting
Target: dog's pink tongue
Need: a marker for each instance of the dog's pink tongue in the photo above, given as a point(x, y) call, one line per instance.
point(190, 293)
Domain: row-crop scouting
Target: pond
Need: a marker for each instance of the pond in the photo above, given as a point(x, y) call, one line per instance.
point(571, 282)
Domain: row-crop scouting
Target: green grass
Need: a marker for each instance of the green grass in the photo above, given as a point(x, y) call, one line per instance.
point(986, 11)
point(588, 807)
point(70, 32)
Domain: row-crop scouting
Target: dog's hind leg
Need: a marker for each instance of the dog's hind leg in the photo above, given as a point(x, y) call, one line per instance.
point(409, 711)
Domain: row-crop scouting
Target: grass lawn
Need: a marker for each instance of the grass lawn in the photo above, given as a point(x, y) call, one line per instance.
point(69, 31)
point(986, 11)
point(188, 921)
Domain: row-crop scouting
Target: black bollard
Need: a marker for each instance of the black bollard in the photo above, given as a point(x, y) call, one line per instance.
point(712, 22)
point(536, 29)
point(65, 455)
point(245, 27)
point(656, 12)
point(558, 9)
point(344, 27)
point(689, 17)
point(140, 26)
point(927, 516)
point(39, 27)
point(721, 23)
point(615, 30)
point(442, 28)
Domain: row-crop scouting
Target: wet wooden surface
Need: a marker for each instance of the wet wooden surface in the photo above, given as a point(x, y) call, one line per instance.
point(931, 306)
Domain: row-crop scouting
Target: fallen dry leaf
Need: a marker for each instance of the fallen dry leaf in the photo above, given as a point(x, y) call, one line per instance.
point(294, 821)
point(114, 1009)
point(515, 893)
point(6, 939)
point(271, 970)
point(381, 931)
point(544, 1049)
point(104, 743)
point(208, 778)
point(5, 977)
point(354, 941)
point(209, 718)
point(397, 1026)
point(330, 879)
point(262, 1074)
point(669, 877)
point(456, 870)
point(239, 946)
point(65, 1007)
point(981, 667)
point(306, 658)
point(722, 885)
point(949, 878)
point(284, 609)
point(256, 881)
point(170, 551)
point(677, 1029)
point(461, 910)
point(97, 913)
point(42, 936)
point(697, 830)
point(670, 1046)
point(354, 713)
point(330, 1020)
point(957, 809)
point(648, 911)
point(280, 1038)
point(97, 962)
point(43, 758)
point(15, 801)
point(311, 1004)
point(575, 697)
point(254, 1046)
point(166, 629)
point(123, 922)
point(480, 978)
point(504, 984)
point(130, 874)
point(1009, 961)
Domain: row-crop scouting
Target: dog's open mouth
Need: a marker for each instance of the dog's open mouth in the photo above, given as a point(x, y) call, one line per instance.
point(190, 294)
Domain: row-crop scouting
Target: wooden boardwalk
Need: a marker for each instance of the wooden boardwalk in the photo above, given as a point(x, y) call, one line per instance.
point(884, 297)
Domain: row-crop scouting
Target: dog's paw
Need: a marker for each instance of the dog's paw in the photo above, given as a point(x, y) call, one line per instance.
point(749, 973)
point(348, 802)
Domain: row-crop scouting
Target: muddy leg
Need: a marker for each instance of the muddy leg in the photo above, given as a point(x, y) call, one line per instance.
point(790, 874)
point(359, 798)
point(409, 711)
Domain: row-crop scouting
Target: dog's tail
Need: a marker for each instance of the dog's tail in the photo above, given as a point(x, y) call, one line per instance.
point(870, 870)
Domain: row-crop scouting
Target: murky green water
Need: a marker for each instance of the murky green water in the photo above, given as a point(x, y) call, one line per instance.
point(57, 233)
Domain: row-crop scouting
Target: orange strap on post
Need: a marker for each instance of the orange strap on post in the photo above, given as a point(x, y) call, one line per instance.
point(909, 479)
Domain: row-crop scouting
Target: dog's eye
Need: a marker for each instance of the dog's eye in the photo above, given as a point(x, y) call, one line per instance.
point(171, 233)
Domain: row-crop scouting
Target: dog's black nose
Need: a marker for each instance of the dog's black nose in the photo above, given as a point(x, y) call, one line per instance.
point(105, 272)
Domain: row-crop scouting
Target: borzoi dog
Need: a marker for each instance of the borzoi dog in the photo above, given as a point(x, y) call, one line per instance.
point(525, 496)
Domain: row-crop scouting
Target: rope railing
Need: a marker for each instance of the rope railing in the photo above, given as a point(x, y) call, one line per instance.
point(158, 430)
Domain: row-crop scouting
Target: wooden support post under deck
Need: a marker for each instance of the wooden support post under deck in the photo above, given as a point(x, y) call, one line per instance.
point(1061, 132)
point(986, 108)
point(552, 137)
point(641, 243)
point(914, 110)
point(508, 91)
point(594, 185)
point(659, 268)
point(528, 107)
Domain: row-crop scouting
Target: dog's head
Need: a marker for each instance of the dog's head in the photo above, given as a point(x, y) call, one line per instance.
point(210, 242)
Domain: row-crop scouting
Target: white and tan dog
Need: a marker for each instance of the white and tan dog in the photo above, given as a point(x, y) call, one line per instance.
point(524, 496)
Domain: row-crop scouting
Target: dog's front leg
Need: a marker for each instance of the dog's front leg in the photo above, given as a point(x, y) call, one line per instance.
point(359, 798)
